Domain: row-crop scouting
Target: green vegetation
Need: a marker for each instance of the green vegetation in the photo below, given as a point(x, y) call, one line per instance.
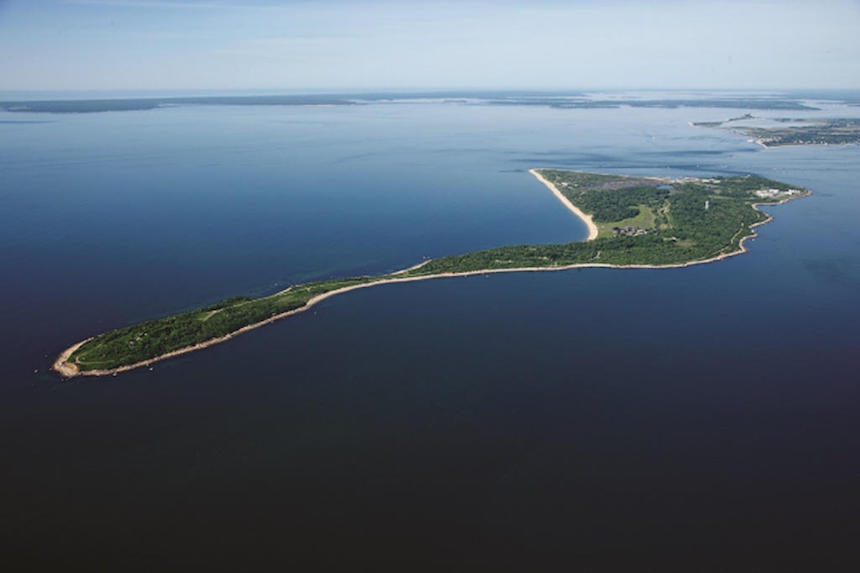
point(820, 132)
point(156, 337)
point(644, 219)
point(675, 222)
point(809, 131)
point(686, 221)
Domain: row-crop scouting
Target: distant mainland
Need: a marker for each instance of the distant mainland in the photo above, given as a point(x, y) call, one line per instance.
point(783, 131)
point(633, 222)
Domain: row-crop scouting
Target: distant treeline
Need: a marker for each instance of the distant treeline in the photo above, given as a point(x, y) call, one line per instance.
point(573, 100)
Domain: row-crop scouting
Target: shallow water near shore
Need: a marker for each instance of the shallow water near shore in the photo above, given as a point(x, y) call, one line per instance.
point(486, 420)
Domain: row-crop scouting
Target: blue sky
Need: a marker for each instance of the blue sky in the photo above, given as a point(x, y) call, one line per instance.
point(385, 44)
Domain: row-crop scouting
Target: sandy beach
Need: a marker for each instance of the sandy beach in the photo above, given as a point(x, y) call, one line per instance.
point(67, 370)
point(592, 228)
point(62, 365)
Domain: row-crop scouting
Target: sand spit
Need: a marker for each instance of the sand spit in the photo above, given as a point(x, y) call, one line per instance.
point(592, 228)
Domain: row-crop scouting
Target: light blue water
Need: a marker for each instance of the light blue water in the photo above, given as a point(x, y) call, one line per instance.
point(583, 414)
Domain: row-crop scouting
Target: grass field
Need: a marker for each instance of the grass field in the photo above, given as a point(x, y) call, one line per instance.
point(644, 220)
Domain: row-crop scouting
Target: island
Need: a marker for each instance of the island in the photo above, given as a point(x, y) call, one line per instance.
point(633, 222)
point(788, 131)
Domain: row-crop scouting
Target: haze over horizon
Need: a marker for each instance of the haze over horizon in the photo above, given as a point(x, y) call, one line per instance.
point(380, 44)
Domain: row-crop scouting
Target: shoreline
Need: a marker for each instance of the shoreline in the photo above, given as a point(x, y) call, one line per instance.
point(587, 219)
point(61, 366)
point(68, 371)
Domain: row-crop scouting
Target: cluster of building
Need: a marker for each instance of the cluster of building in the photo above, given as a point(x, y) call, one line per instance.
point(771, 193)
point(629, 231)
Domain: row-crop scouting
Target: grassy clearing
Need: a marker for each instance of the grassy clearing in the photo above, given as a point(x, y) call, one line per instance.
point(644, 220)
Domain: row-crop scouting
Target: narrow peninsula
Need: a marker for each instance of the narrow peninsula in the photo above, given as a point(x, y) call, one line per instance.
point(633, 222)
point(782, 131)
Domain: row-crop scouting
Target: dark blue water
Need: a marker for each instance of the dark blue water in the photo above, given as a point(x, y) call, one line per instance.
point(582, 418)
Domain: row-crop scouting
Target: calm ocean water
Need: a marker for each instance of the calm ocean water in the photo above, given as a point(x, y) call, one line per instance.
point(706, 414)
